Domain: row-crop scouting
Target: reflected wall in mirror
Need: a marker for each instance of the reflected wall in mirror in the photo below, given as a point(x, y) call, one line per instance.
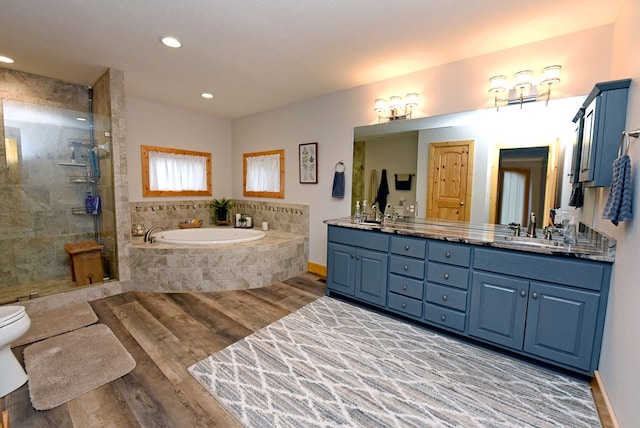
point(404, 147)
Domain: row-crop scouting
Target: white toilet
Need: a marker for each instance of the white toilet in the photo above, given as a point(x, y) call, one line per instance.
point(14, 322)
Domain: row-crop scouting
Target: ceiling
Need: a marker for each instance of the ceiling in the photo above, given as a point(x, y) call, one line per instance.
point(255, 55)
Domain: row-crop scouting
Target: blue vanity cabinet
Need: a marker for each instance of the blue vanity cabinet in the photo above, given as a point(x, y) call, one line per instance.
point(446, 297)
point(357, 264)
point(406, 275)
point(601, 120)
point(545, 307)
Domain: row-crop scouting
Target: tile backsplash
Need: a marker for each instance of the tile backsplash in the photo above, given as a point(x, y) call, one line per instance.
point(292, 218)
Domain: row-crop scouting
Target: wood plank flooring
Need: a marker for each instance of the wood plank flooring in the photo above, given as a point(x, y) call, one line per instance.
point(165, 334)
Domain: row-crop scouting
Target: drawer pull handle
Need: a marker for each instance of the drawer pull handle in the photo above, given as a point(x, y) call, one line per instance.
point(447, 254)
point(523, 293)
point(404, 286)
point(406, 267)
point(446, 276)
point(404, 306)
point(357, 257)
point(406, 247)
point(534, 295)
point(352, 256)
point(443, 318)
point(444, 297)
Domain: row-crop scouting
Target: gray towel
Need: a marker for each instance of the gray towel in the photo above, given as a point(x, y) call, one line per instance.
point(618, 206)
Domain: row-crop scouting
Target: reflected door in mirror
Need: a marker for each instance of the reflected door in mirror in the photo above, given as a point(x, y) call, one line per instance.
point(449, 188)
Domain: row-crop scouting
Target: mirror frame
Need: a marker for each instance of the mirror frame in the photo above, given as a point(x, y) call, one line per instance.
point(146, 188)
point(277, 195)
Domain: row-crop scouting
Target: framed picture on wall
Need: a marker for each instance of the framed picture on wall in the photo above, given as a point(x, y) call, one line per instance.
point(308, 155)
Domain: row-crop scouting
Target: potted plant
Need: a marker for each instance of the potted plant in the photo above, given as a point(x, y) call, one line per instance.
point(221, 209)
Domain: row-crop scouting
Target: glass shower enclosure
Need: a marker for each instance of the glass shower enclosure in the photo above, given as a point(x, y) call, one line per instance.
point(51, 160)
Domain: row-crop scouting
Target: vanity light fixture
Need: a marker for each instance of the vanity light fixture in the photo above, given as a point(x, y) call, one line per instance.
point(6, 59)
point(523, 89)
point(206, 95)
point(397, 108)
point(171, 42)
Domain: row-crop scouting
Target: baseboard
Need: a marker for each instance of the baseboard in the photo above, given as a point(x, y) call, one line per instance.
point(603, 405)
point(317, 269)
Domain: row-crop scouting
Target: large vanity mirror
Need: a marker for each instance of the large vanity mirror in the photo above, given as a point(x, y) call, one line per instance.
point(483, 166)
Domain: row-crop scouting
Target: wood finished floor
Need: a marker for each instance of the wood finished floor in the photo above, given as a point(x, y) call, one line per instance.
point(165, 334)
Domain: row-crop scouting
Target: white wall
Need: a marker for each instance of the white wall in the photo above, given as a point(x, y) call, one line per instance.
point(154, 124)
point(621, 348)
point(459, 86)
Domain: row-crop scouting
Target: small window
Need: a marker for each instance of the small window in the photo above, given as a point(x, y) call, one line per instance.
point(175, 172)
point(263, 174)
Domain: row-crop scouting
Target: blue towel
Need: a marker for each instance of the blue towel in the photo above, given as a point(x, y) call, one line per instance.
point(338, 185)
point(618, 206)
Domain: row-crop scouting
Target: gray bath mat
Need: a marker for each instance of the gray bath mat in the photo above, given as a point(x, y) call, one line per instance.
point(64, 367)
point(53, 322)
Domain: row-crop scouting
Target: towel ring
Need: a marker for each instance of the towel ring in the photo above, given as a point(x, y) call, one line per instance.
point(340, 165)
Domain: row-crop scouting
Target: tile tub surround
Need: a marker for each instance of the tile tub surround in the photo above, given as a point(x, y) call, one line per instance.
point(291, 218)
point(176, 268)
point(592, 245)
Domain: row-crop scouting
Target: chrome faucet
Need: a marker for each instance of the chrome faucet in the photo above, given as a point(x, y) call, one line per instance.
point(531, 230)
point(147, 234)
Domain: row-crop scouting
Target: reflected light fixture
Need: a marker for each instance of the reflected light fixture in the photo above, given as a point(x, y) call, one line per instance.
point(523, 89)
point(206, 95)
point(6, 59)
point(171, 42)
point(396, 108)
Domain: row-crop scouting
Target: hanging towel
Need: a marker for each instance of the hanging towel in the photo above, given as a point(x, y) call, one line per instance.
point(403, 181)
point(383, 191)
point(373, 185)
point(577, 196)
point(338, 182)
point(618, 206)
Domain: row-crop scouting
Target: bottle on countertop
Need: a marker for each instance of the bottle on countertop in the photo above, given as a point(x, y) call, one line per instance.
point(357, 214)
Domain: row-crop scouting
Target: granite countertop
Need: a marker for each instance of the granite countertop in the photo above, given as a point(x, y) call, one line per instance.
point(591, 245)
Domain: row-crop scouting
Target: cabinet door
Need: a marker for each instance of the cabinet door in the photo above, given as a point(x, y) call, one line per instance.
point(371, 276)
point(341, 268)
point(498, 309)
point(561, 324)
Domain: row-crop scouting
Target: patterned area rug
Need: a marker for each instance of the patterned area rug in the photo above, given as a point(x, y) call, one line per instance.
point(336, 364)
point(64, 367)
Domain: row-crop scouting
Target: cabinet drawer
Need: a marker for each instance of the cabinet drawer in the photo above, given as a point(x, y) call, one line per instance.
point(406, 286)
point(405, 304)
point(453, 254)
point(444, 316)
point(448, 275)
point(359, 238)
point(410, 247)
point(578, 273)
point(446, 296)
point(406, 266)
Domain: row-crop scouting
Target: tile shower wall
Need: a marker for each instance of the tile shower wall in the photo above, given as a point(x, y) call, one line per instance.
point(292, 218)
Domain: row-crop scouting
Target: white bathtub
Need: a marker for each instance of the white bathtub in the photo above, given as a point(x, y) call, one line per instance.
point(208, 236)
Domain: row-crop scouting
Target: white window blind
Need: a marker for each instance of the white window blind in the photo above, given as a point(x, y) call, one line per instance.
point(174, 172)
point(263, 173)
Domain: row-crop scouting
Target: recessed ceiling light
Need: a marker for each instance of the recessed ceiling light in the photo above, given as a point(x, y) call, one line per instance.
point(172, 42)
point(6, 59)
point(207, 95)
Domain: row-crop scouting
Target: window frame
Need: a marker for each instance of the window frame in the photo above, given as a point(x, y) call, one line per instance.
point(276, 195)
point(146, 188)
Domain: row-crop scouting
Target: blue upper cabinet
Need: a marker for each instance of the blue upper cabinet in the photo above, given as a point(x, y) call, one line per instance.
point(601, 122)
